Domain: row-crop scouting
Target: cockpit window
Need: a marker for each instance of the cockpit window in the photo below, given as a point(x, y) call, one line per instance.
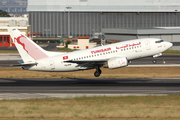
point(159, 41)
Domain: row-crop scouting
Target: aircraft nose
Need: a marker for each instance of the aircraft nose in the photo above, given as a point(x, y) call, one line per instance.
point(169, 44)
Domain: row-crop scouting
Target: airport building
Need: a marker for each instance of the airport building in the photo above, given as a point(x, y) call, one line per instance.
point(12, 22)
point(80, 18)
point(170, 34)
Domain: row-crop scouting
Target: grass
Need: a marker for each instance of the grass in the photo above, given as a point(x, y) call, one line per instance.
point(171, 52)
point(127, 107)
point(66, 50)
point(126, 72)
point(87, 119)
point(9, 51)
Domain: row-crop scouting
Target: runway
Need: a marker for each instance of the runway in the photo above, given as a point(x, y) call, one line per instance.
point(65, 88)
point(164, 59)
point(68, 88)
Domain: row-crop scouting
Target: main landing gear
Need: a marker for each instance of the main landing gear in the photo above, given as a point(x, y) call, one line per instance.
point(97, 73)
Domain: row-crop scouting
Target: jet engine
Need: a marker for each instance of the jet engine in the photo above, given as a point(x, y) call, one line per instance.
point(117, 62)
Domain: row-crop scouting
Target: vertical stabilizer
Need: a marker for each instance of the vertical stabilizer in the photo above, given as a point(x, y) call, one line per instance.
point(28, 50)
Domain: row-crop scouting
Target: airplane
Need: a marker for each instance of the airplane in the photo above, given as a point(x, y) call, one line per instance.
point(115, 55)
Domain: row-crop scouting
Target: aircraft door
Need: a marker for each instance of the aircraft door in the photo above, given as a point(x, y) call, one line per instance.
point(148, 47)
point(52, 65)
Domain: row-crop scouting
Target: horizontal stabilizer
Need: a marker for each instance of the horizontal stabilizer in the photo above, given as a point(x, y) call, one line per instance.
point(24, 64)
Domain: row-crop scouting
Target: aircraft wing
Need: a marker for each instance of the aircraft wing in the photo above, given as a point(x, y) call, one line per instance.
point(88, 63)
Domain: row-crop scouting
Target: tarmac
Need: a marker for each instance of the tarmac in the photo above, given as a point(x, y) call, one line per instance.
point(70, 88)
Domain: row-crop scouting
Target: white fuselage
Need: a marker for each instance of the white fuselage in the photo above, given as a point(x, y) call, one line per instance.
point(132, 49)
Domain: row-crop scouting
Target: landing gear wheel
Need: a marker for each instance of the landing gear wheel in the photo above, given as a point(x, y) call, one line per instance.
point(100, 71)
point(97, 73)
point(154, 61)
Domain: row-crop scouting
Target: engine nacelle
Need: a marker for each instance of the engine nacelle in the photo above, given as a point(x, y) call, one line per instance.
point(117, 62)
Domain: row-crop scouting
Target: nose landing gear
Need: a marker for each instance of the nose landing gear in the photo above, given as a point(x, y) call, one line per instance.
point(154, 61)
point(154, 56)
point(98, 72)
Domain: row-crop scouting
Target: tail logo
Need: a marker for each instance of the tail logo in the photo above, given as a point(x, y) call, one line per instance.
point(18, 40)
point(31, 48)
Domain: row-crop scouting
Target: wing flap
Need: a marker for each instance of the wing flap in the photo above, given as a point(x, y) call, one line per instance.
point(87, 64)
point(84, 64)
point(86, 61)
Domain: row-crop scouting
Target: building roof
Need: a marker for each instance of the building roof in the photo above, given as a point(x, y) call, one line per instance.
point(141, 31)
point(105, 5)
point(6, 27)
point(13, 18)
